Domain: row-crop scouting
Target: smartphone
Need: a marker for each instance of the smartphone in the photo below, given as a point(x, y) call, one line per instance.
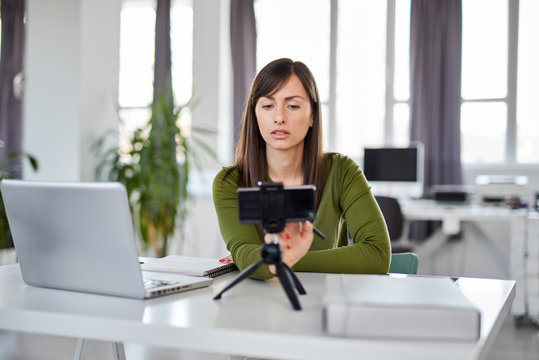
point(275, 202)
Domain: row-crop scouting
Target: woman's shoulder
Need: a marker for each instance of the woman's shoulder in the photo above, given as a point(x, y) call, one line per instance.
point(343, 172)
point(341, 169)
point(226, 174)
point(226, 170)
point(335, 161)
point(224, 189)
point(225, 183)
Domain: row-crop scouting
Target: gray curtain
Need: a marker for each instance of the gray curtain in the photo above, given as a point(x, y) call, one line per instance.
point(162, 83)
point(243, 47)
point(11, 63)
point(435, 58)
point(435, 75)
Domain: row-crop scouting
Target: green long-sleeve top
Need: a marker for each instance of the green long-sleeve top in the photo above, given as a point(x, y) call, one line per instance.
point(347, 206)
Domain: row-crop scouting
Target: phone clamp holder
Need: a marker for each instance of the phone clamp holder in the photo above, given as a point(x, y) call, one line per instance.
point(273, 222)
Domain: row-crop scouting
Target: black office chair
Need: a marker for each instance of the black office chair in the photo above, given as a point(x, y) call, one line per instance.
point(396, 225)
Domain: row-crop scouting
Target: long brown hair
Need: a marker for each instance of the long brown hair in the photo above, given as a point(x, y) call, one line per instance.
point(250, 158)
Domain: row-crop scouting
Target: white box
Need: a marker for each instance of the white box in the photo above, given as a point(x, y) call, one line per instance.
point(400, 307)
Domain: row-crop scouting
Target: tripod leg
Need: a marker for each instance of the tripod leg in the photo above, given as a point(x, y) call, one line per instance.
point(297, 283)
point(285, 279)
point(245, 273)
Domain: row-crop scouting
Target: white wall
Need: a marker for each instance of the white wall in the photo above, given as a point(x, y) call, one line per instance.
point(212, 72)
point(212, 86)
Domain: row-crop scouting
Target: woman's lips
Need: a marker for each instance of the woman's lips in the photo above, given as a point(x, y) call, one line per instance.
point(280, 134)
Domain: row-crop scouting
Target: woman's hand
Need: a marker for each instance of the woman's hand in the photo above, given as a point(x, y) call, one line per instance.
point(295, 240)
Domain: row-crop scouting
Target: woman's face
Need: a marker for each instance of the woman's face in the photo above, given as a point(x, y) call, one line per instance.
point(285, 117)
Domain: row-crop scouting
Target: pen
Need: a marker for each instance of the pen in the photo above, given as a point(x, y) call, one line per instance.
point(319, 233)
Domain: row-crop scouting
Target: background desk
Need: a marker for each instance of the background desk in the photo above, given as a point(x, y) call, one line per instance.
point(254, 318)
point(454, 217)
point(532, 265)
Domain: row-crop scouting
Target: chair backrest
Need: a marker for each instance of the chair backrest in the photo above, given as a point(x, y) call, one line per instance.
point(392, 214)
point(404, 263)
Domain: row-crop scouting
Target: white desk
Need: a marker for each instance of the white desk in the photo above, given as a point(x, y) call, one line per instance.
point(253, 318)
point(451, 215)
point(452, 218)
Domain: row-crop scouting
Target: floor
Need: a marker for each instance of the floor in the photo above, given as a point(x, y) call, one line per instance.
point(516, 341)
point(24, 346)
point(513, 342)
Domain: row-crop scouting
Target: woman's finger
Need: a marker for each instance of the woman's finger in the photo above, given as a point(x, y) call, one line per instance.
point(227, 259)
point(269, 238)
point(307, 226)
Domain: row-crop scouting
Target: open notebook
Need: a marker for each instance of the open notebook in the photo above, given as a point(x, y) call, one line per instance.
point(188, 265)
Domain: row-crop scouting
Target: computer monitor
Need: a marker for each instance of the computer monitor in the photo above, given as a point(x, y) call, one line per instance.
point(395, 171)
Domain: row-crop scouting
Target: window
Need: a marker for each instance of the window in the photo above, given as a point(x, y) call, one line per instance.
point(301, 38)
point(497, 112)
point(484, 81)
point(364, 74)
point(360, 93)
point(484, 48)
point(304, 38)
point(483, 128)
point(137, 49)
point(353, 85)
point(358, 51)
point(137, 46)
point(528, 80)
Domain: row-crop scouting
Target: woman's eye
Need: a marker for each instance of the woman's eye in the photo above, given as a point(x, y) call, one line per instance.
point(293, 107)
point(267, 107)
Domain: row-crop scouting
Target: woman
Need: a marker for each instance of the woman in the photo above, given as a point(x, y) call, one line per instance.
point(281, 141)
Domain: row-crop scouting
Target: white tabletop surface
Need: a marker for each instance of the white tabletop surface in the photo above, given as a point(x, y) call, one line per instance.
point(425, 209)
point(253, 318)
point(451, 214)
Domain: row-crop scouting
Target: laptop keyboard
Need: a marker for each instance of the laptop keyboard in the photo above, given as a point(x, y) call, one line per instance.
point(152, 284)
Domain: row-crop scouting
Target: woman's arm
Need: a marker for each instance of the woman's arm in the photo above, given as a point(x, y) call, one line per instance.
point(243, 241)
point(347, 193)
point(347, 197)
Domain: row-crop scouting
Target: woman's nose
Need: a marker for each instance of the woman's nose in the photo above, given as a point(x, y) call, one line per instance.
point(279, 117)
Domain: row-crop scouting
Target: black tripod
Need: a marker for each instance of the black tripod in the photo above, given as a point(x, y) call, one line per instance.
point(272, 205)
point(271, 255)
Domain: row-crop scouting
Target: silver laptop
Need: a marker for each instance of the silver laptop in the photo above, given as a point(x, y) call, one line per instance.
point(79, 236)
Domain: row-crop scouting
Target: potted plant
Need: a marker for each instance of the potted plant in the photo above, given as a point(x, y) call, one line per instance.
point(155, 171)
point(6, 240)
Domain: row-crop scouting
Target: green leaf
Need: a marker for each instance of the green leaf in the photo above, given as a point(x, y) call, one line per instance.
point(5, 232)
